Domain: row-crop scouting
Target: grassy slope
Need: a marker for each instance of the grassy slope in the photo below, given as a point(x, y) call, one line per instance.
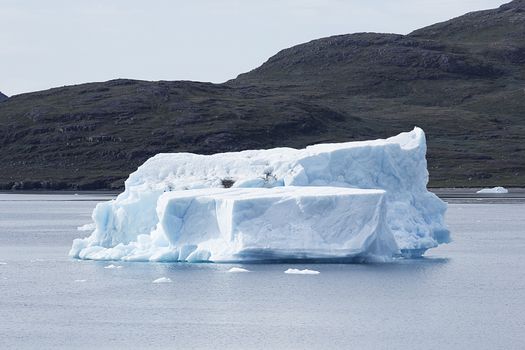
point(462, 81)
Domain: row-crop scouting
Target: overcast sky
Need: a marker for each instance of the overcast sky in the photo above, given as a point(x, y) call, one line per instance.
point(52, 43)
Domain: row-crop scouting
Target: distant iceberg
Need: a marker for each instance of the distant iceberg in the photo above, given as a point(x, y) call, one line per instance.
point(356, 200)
point(162, 280)
point(493, 190)
point(237, 270)
point(301, 272)
point(111, 266)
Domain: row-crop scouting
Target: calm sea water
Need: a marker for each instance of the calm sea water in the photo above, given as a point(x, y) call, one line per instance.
point(469, 294)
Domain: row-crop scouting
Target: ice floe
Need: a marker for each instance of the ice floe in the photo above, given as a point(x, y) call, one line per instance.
point(493, 190)
point(87, 227)
point(162, 280)
point(112, 266)
point(237, 270)
point(301, 272)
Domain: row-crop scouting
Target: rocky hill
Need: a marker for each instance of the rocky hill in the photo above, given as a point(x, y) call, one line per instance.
point(2, 97)
point(462, 81)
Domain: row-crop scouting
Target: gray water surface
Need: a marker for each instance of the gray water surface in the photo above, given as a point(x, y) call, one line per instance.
point(469, 294)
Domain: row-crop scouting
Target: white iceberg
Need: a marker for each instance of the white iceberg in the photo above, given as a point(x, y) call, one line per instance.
point(162, 280)
point(493, 190)
point(253, 224)
point(237, 270)
point(112, 266)
point(175, 206)
point(301, 272)
point(87, 227)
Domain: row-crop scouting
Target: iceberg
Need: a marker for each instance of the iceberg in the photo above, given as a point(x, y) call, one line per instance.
point(238, 270)
point(111, 266)
point(262, 224)
point(493, 190)
point(301, 272)
point(162, 280)
point(364, 200)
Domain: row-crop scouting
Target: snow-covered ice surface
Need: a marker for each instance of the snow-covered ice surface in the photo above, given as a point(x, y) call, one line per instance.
point(136, 226)
point(495, 190)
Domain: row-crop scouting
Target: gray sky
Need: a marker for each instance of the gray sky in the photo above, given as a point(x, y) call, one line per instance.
point(62, 42)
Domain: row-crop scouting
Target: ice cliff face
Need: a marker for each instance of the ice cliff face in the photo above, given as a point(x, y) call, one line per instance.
point(129, 227)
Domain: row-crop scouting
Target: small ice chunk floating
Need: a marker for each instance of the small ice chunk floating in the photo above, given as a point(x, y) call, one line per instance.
point(353, 201)
point(493, 190)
